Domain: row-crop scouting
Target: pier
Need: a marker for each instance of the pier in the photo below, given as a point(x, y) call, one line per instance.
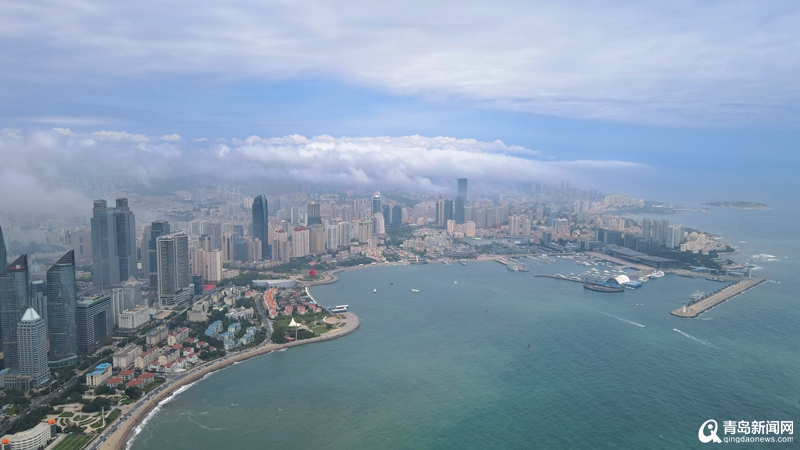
point(558, 277)
point(717, 298)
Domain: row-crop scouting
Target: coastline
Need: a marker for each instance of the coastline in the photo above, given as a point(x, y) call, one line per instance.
point(118, 440)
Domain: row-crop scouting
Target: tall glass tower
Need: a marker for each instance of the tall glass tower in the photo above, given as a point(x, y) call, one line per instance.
point(261, 225)
point(61, 300)
point(14, 298)
point(32, 347)
point(3, 256)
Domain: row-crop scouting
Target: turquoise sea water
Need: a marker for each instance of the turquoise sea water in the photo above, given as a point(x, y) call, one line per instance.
point(451, 367)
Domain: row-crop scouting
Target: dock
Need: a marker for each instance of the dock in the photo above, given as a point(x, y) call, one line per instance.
point(717, 298)
point(558, 277)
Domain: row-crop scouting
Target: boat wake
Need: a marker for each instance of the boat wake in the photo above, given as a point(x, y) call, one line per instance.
point(694, 338)
point(626, 320)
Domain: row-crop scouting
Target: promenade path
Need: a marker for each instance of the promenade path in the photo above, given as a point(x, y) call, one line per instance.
point(118, 435)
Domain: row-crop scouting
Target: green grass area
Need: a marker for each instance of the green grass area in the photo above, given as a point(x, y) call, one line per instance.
point(153, 385)
point(97, 424)
point(74, 442)
point(318, 330)
point(66, 414)
point(113, 415)
point(79, 418)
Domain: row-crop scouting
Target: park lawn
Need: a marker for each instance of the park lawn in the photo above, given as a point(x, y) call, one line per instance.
point(74, 442)
point(152, 386)
point(67, 414)
point(318, 330)
point(112, 416)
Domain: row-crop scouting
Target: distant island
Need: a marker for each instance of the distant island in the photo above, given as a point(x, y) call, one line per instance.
point(743, 205)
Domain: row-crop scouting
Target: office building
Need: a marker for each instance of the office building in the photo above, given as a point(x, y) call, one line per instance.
point(314, 216)
point(376, 203)
point(152, 233)
point(3, 254)
point(14, 298)
point(261, 225)
point(448, 211)
point(105, 255)
point(174, 276)
point(462, 187)
point(38, 299)
point(61, 298)
point(459, 209)
point(32, 347)
point(125, 233)
point(397, 216)
point(94, 323)
point(127, 297)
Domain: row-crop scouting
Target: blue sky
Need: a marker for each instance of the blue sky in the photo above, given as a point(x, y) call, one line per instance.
point(688, 89)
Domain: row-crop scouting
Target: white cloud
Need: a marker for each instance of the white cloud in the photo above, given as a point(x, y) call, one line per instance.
point(37, 162)
point(686, 63)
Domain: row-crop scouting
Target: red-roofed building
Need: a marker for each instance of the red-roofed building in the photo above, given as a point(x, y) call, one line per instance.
point(114, 381)
point(126, 375)
point(147, 377)
point(134, 383)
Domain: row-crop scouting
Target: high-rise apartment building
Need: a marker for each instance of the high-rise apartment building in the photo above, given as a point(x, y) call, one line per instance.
point(61, 299)
point(300, 242)
point(317, 238)
point(32, 348)
point(440, 208)
point(14, 298)
point(261, 224)
point(207, 264)
point(332, 237)
point(173, 269)
point(379, 224)
point(364, 231)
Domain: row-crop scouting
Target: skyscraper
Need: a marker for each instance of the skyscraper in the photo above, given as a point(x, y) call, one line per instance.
point(173, 269)
point(125, 223)
point(113, 244)
point(32, 347)
point(397, 215)
point(14, 297)
point(440, 208)
point(61, 299)
point(314, 217)
point(157, 228)
point(459, 210)
point(105, 256)
point(448, 210)
point(3, 255)
point(261, 225)
point(462, 187)
point(376, 203)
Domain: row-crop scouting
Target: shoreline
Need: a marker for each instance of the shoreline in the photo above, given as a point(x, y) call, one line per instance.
point(118, 440)
point(716, 299)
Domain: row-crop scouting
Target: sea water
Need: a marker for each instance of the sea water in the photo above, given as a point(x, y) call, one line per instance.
point(507, 360)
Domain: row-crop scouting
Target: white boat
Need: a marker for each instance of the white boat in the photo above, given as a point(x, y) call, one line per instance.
point(416, 291)
point(657, 274)
point(455, 282)
point(375, 290)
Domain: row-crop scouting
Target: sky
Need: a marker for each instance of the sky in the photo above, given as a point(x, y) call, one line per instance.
point(684, 100)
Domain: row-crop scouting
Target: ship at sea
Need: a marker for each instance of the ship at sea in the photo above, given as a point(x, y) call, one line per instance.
point(657, 274)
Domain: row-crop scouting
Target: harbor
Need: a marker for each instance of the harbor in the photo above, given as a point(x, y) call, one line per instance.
point(694, 310)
